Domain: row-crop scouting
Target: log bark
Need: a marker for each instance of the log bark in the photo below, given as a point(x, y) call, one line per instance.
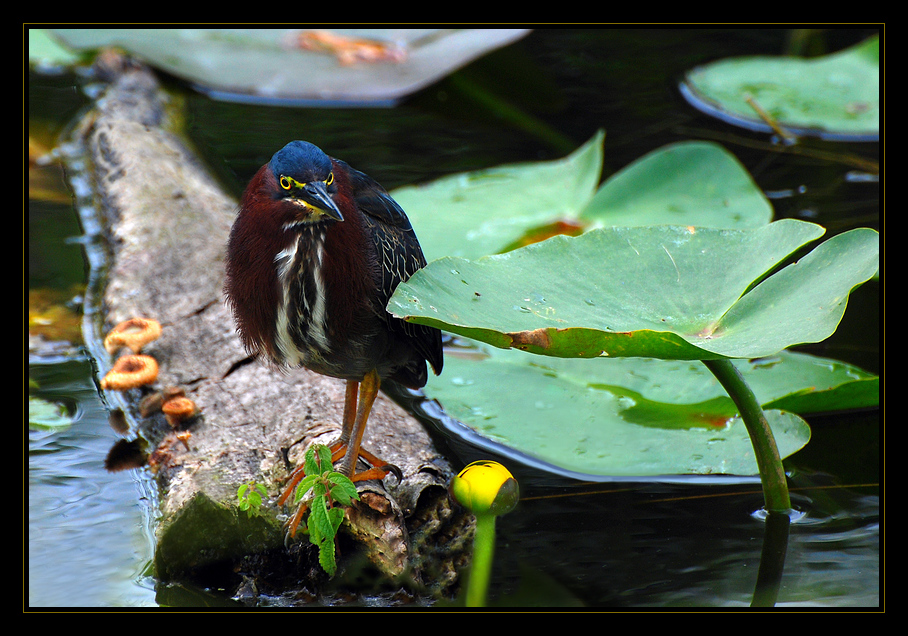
point(167, 223)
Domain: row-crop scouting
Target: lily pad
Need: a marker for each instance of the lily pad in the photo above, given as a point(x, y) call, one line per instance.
point(834, 96)
point(664, 292)
point(490, 211)
point(265, 64)
point(44, 415)
point(44, 52)
point(480, 212)
point(618, 417)
point(689, 183)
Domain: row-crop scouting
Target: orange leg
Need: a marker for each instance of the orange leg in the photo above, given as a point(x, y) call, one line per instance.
point(349, 444)
point(368, 391)
point(294, 522)
point(353, 417)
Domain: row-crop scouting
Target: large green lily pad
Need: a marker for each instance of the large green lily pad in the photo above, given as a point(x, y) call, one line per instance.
point(688, 183)
point(664, 292)
point(835, 96)
point(489, 211)
point(478, 213)
point(626, 416)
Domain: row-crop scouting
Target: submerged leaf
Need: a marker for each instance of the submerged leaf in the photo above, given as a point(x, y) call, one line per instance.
point(44, 415)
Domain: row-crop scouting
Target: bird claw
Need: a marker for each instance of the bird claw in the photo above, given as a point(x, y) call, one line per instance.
point(379, 473)
point(391, 468)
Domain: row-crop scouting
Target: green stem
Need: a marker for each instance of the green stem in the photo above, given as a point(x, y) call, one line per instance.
point(775, 486)
point(481, 570)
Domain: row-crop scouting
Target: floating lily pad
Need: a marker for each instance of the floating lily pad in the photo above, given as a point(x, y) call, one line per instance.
point(44, 52)
point(44, 415)
point(478, 213)
point(265, 64)
point(623, 416)
point(490, 211)
point(664, 292)
point(688, 183)
point(835, 96)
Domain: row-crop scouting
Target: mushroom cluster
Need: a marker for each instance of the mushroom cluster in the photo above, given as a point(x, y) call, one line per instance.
point(136, 369)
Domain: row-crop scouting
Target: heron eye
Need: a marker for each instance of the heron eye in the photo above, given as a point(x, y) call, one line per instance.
point(286, 183)
point(330, 179)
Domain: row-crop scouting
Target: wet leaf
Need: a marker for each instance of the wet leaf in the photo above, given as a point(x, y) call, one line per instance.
point(835, 96)
point(664, 292)
point(496, 210)
point(575, 416)
point(44, 415)
point(570, 413)
point(690, 183)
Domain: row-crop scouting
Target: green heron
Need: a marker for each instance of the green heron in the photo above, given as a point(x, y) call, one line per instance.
point(313, 257)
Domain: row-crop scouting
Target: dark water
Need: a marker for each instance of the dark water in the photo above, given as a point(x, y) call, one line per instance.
point(612, 544)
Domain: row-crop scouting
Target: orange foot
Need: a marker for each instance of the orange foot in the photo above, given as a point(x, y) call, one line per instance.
point(379, 470)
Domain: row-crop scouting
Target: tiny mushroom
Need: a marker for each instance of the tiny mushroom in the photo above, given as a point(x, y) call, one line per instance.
point(134, 334)
point(153, 402)
point(178, 409)
point(129, 372)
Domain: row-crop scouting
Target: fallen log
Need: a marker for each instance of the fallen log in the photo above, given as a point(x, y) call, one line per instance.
point(166, 223)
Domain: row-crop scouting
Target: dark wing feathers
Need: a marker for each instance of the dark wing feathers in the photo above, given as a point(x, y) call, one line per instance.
point(400, 255)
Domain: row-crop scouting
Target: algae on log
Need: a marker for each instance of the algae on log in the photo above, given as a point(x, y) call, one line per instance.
point(167, 224)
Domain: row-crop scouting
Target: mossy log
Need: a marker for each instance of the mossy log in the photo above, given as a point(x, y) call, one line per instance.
point(166, 222)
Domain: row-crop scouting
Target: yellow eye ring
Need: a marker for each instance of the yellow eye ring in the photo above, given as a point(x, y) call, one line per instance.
point(330, 179)
point(286, 183)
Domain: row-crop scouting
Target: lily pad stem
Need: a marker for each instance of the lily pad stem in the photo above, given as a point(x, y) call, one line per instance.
point(772, 475)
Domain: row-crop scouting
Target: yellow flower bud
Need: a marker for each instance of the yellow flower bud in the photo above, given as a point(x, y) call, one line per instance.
point(486, 487)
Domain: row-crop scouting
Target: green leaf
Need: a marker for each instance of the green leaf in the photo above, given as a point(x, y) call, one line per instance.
point(250, 496)
point(44, 415)
point(307, 483)
point(317, 459)
point(335, 518)
point(326, 558)
point(565, 411)
point(43, 50)
point(663, 292)
point(486, 210)
point(835, 95)
point(494, 210)
point(320, 526)
point(690, 183)
point(343, 490)
point(321, 534)
point(323, 524)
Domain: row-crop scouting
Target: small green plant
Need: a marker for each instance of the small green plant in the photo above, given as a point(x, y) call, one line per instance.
point(250, 497)
point(330, 492)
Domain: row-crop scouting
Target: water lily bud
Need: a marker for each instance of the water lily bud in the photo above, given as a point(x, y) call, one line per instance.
point(486, 487)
